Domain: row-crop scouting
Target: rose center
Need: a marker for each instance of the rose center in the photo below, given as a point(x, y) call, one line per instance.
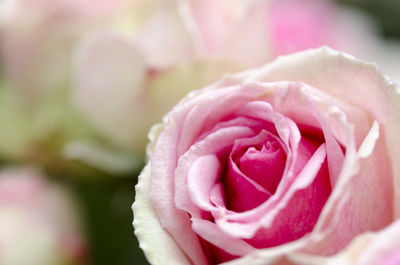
point(264, 166)
point(255, 168)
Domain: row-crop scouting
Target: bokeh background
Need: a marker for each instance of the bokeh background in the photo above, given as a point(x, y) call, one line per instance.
point(82, 81)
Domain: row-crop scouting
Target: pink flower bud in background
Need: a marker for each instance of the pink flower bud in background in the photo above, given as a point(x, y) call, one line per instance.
point(39, 224)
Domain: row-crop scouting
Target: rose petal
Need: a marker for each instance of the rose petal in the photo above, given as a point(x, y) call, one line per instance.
point(210, 232)
point(202, 177)
point(149, 230)
point(380, 248)
point(303, 180)
point(242, 192)
point(214, 143)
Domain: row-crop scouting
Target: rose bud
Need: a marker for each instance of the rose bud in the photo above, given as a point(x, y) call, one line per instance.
point(278, 165)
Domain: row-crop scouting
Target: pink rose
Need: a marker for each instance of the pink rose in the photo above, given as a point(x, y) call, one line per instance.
point(277, 165)
point(39, 223)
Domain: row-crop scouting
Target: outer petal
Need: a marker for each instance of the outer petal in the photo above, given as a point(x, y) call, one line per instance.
point(380, 248)
point(384, 247)
point(156, 243)
point(158, 246)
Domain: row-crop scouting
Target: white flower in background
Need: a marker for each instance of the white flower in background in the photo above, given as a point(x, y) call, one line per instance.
point(85, 80)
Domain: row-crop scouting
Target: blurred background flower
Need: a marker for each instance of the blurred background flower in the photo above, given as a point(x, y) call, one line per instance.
point(39, 224)
point(81, 82)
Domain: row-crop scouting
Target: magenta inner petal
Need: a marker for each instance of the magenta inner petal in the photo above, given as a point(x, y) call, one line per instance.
point(264, 166)
point(255, 168)
point(242, 193)
point(301, 212)
point(261, 158)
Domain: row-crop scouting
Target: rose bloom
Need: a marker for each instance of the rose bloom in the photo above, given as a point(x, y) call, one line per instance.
point(285, 164)
point(96, 74)
point(39, 224)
